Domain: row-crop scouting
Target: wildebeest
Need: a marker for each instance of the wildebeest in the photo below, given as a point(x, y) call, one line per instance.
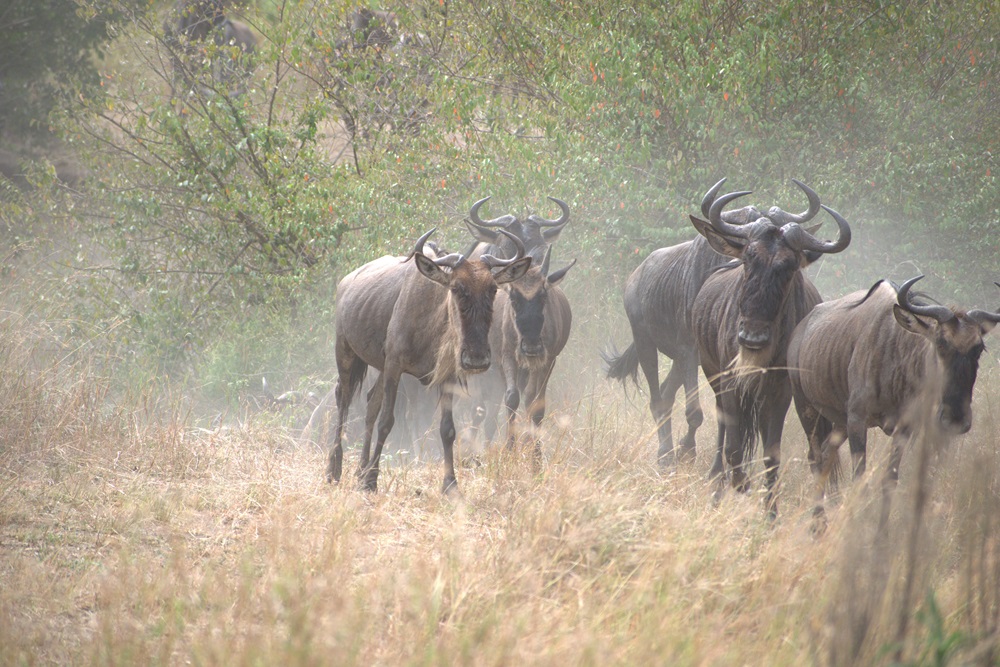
point(531, 329)
point(535, 232)
point(659, 296)
point(743, 318)
point(189, 28)
point(429, 318)
point(869, 359)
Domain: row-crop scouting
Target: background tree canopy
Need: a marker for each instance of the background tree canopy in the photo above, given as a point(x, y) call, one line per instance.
point(217, 219)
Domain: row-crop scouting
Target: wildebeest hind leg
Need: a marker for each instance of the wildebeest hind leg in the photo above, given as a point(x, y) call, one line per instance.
point(660, 409)
point(692, 407)
point(368, 472)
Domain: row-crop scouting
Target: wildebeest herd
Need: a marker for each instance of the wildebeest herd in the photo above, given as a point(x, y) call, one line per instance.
point(735, 300)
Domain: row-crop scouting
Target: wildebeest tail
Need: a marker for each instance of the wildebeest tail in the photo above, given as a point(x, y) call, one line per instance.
point(621, 366)
point(356, 377)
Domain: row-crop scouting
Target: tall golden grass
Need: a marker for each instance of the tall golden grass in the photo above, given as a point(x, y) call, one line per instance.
point(127, 536)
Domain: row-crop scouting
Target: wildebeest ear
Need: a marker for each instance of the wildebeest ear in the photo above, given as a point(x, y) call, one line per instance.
point(725, 245)
point(923, 326)
point(556, 276)
point(427, 267)
point(550, 234)
point(808, 257)
point(512, 271)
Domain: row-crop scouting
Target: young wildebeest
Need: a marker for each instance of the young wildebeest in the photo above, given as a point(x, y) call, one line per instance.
point(743, 318)
point(659, 296)
point(429, 318)
point(870, 359)
point(531, 329)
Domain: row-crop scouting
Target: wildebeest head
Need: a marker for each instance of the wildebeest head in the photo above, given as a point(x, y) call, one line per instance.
point(528, 297)
point(771, 258)
point(534, 231)
point(956, 338)
point(197, 18)
point(472, 286)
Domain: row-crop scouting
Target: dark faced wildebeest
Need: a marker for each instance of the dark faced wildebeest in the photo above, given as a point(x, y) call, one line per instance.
point(429, 318)
point(531, 329)
point(870, 360)
point(659, 296)
point(743, 318)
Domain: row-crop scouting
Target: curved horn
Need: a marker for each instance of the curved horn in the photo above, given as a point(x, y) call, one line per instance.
point(706, 201)
point(419, 245)
point(715, 216)
point(814, 205)
point(562, 220)
point(803, 241)
point(981, 316)
point(451, 260)
point(545, 261)
point(494, 262)
point(502, 221)
point(939, 313)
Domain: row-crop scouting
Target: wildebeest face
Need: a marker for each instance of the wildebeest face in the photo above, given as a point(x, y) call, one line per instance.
point(528, 297)
point(957, 344)
point(472, 287)
point(768, 268)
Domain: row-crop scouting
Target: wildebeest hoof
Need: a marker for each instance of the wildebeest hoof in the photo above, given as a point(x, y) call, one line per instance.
point(450, 487)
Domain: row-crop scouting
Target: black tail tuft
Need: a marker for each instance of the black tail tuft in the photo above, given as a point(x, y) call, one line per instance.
point(621, 366)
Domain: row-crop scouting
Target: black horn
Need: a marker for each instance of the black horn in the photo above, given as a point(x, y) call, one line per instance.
point(502, 221)
point(715, 216)
point(939, 313)
point(800, 239)
point(814, 205)
point(706, 201)
point(495, 262)
point(562, 220)
point(981, 316)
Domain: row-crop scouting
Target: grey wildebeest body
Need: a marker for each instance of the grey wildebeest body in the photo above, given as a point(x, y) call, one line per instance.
point(872, 359)
point(429, 318)
point(743, 319)
point(659, 296)
point(532, 325)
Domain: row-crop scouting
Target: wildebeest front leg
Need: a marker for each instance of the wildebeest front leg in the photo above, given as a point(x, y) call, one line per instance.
point(368, 471)
point(717, 474)
point(535, 395)
point(900, 439)
point(448, 440)
point(375, 395)
point(776, 402)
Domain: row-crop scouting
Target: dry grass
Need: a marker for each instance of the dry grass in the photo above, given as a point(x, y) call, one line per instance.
point(131, 539)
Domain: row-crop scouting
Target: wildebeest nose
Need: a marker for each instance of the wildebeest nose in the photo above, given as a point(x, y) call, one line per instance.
point(753, 340)
point(532, 348)
point(475, 362)
point(958, 424)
